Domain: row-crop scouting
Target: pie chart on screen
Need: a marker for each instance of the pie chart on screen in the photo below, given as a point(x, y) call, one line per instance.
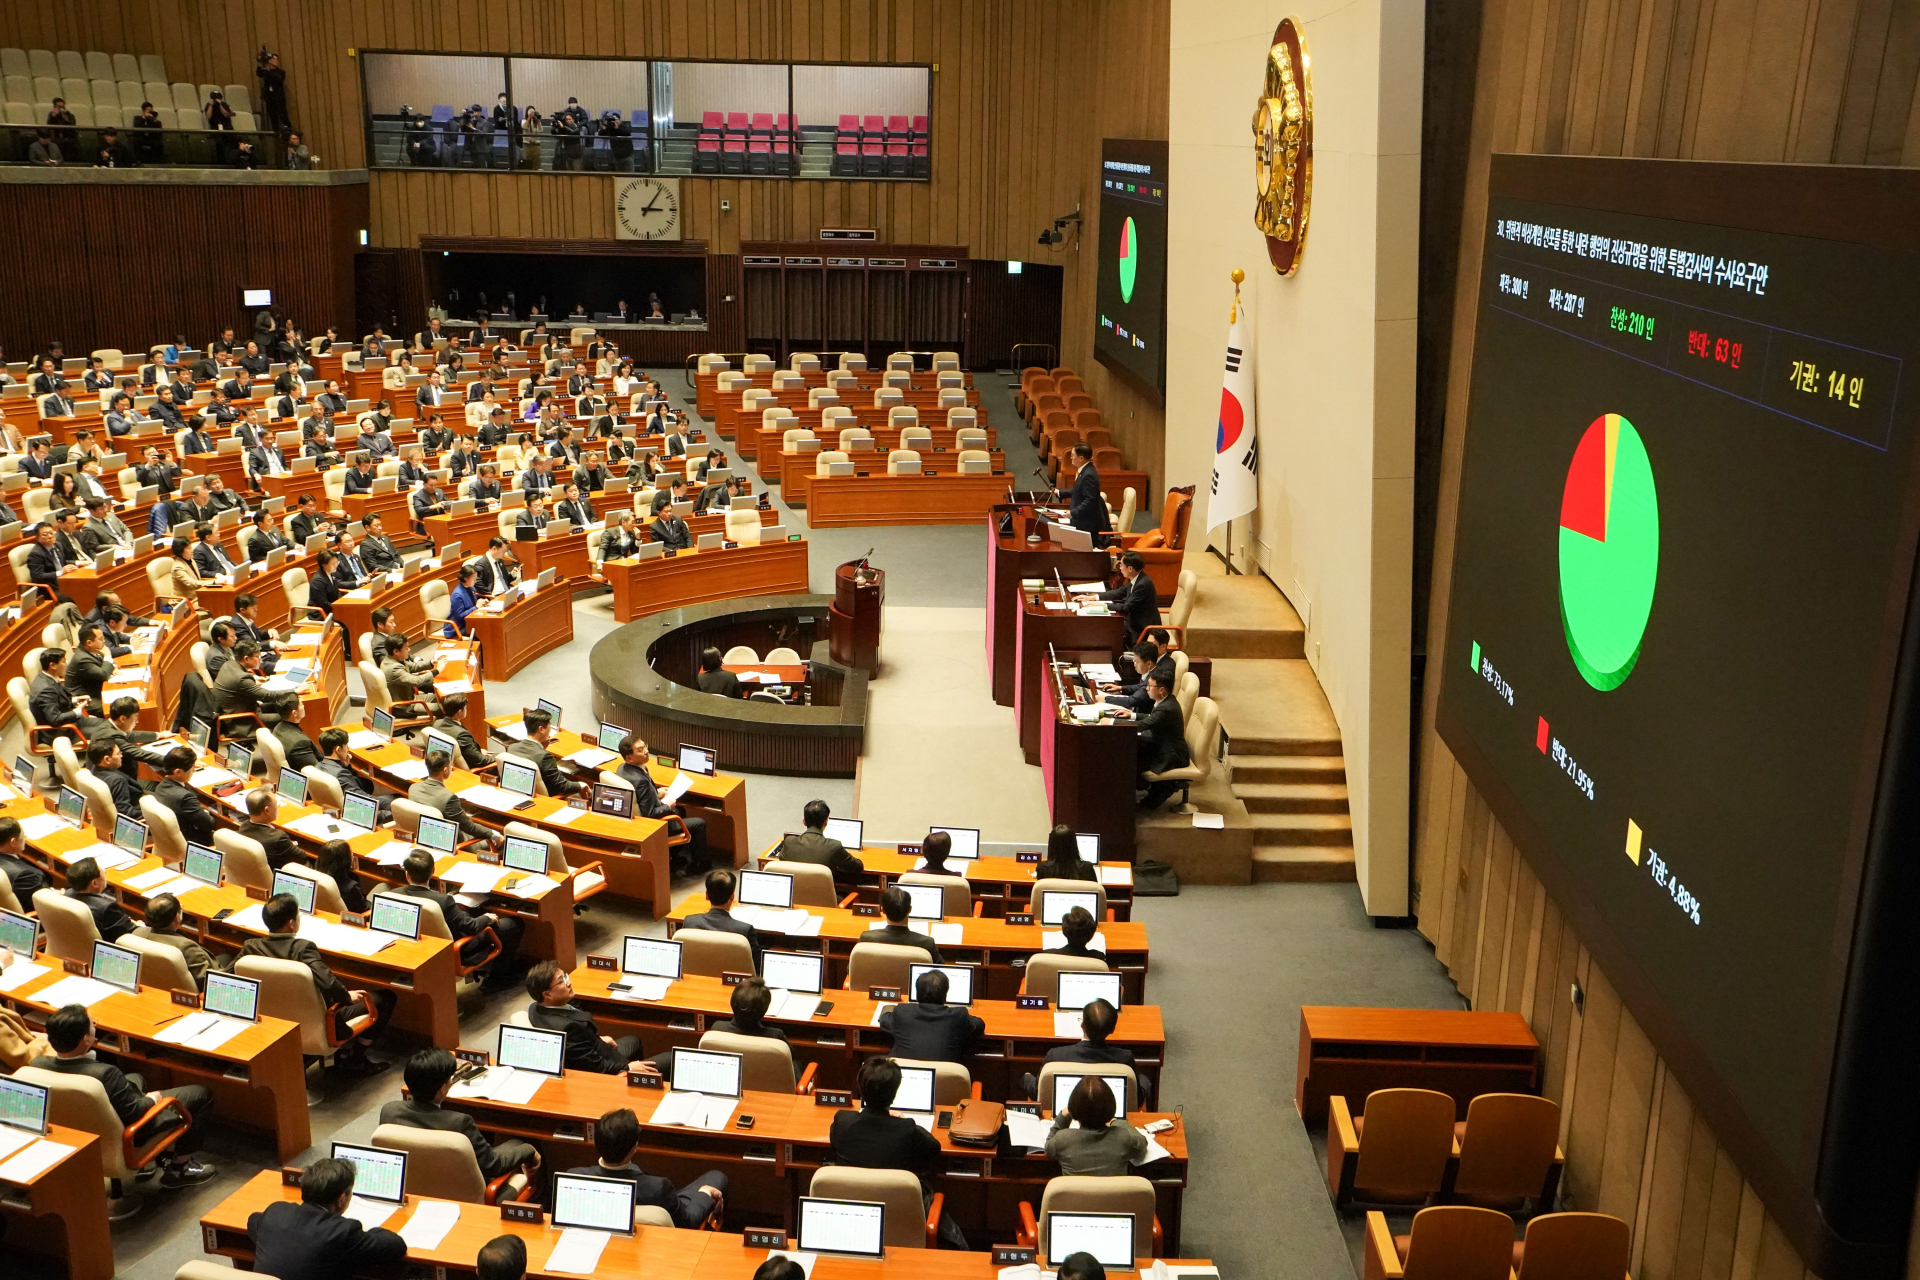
point(1129, 258)
point(1609, 551)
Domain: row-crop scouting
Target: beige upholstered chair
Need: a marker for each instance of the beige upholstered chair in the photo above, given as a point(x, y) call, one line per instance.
point(952, 1082)
point(1084, 1194)
point(68, 925)
point(911, 1222)
point(322, 789)
point(743, 526)
point(244, 860)
point(881, 964)
point(326, 894)
point(1203, 743)
point(812, 882)
point(442, 1166)
point(1042, 975)
point(823, 464)
point(80, 1102)
point(287, 991)
point(767, 1063)
point(100, 808)
point(975, 462)
point(903, 462)
point(710, 952)
point(956, 893)
point(160, 965)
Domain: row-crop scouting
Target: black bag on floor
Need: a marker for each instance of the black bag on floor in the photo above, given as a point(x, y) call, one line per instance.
point(1155, 880)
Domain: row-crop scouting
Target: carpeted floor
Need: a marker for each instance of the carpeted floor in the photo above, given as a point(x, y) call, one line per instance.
point(1230, 966)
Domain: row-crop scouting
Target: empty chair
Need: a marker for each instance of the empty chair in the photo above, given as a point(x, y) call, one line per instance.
point(71, 63)
point(911, 1223)
point(1070, 1193)
point(98, 65)
point(1447, 1242)
point(238, 97)
point(903, 416)
point(743, 526)
point(852, 438)
point(1574, 1246)
point(1042, 975)
point(14, 62)
point(41, 62)
point(153, 67)
point(184, 98)
point(822, 465)
point(126, 67)
point(1509, 1151)
point(767, 1063)
point(902, 462)
point(69, 926)
point(77, 92)
point(916, 437)
point(1394, 1153)
point(968, 437)
point(881, 964)
point(19, 89)
point(740, 653)
point(712, 953)
point(1186, 690)
point(783, 655)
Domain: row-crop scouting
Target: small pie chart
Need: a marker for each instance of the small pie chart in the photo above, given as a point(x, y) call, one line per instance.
point(1609, 551)
point(1129, 259)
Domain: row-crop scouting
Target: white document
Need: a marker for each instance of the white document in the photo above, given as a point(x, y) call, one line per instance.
point(75, 990)
point(528, 885)
point(11, 1140)
point(21, 973)
point(204, 779)
point(578, 1252)
point(488, 796)
point(878, 1010)
point(1086, 588)
point(504, 1084)
point(471, 901)
point(1066, 1024)
point(390, 854)
point(474, 877)
point(1086, 712)
point(947, 933)
point(248, 918)
point(38, 1157)
point(791, 920)
point(222, 1030)
point(677, 1108)
point(150, 879)
point(178, 886)
point(319, 826)
point(359, 593)
point(1101, 671)
point(922, 1118)
point(512, 730)
point(186, 1028)
point(1024, 1130)
point(1058, 604)
point(1116, 875)
point(1054, 940)
point(643, 988)
point(565, 816)
point(803, 1260)
point(408, 770)
point(1210, 821)
point(365, 740)
point(714, 1114)
point(369, 1213)
point(450, 687)
point(1154, 1151)
point(39, 826)
point(591, 757)
point(677, 788)
point(796, 1006)
point(431, 1221)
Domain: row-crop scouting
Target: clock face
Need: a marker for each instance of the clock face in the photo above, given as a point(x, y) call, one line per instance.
point(647, 209)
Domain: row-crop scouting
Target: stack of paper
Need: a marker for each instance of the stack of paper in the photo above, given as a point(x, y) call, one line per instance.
point(796, 1006)
point(565, 815)
point(203, 779)
point(74, 990)
point(450, 687)
point(204, 1031)
point(365, 740)
point(1053, 941)
point(248, 918)
point(1024, 1130)
point(11, 1140)
point(1086, 588)
point(474, 877)
point(642, 988)
point(694, 1110)
point(35, 1159)
point(592, 757)
point(578, 1252)
point(1066, 1024)
point(879, 1009)
point(1163, 1270)
point(20, 973)
point(523, 884)
point(1116, 875)
point(369, 1213)
point(410, 770)
point(488, 796)
point(512, 730)
point(320, 826)
point(947, 933)
point(502, 1084)
point(39, 826)
point(1154, 1151)
point(149, 880)
point(390, 854)
point(344, 938)
point(677, 788)
point(1101, 671)
point(796, 922)
point(430, 1223)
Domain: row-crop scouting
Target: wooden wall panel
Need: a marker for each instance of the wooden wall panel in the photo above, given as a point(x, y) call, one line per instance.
point(1808, 81)
point(1022, 96)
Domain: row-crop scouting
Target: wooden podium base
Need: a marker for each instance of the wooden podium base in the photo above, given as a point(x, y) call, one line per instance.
point(853, 622)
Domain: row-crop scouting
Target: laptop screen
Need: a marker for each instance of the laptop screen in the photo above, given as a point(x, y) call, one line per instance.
point(766, 889)
point(441, 742)
point(959, 980)
point(1107, 1236)
point(916, 1090)
point(23, 1105)
point(300, 887)
point(966, 841)
point(382, 721)
point(696, 759)
point(378, 1172)
point(651, 957)
point(19, 933)
point(1063, 1086)
point(792, 970)
point(396, 915)
point(842, 1226)
point(615, 802)
point(846, 830)
point(200, 734)
point(203, 864)
point(551, 708)
point(130, 834)
point(1089, 844)
point(523, 854)
point(1078, 990)
point(531, 1049)
point(1055, 903)
point(361, 811)
point(232, 995)
point(73, 806)
point(116, 966)
point(707, 1071)
point(925, 901)
point(239, 757)
point(517, 777)
point(612, 735)
point(596, 1204)
point(436, 834)
point(292, 786)
point(23, 771)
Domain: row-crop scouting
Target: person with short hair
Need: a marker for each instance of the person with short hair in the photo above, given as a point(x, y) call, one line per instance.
point(1162, 740)
point(452, 708)
point(894, 905)
point(927, 1028)
point(22, 876)
point(103, 760)
point(336, 761)
point(533, 749)
point(1101, 1146)
point(691, 858)
point(70, 1034)
point(281, 916)
point(408, 680)
point(235, 688)
point(1136, 599)
point(750, 1002)
point(429, 1074)
point(872, 1137)
point(1097, 1022)
point(813, 846)
point(315, 1240)
point(1079, 928)
point(1081, 1266)
point(713, 679)
point(505, 1258)
point(1086, 505)
point(87, 885)
point(616, 1139)
point(163, 926)
point(719, 888)
point(263, 806)
point(587, 1050)
point(466, 928)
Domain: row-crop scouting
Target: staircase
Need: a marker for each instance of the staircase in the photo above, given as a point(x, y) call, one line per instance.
point(1296, 795)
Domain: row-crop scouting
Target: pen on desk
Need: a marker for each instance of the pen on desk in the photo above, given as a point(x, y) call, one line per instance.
point(164, 1021)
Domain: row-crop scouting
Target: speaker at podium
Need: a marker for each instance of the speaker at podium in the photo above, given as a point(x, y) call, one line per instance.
point(853, 627)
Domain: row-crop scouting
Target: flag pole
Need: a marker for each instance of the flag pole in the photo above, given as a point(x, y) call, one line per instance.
point(1233, 316)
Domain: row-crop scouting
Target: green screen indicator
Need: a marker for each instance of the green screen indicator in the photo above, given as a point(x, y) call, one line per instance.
point(1609, 551)
point(1476, 655)
point(1129, 258)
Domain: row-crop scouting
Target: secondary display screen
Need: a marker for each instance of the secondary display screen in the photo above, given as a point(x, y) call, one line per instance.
point(1130, 318)
point(1682, 567)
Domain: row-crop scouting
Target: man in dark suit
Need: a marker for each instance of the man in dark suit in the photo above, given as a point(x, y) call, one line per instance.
point(87, 885)
point(173, 791)
point(713, 679)
point(235, 688)
point(719, 887)
point(330, 399)
point(36, 463)
point(210, 559)
point(894, 904)
point(432, 793)
point(90, 667)
point(492, 574)
point(431, 393)
point(1145, 659)
point(1097, 1022)
point(315, 1240)
point(534, 514)
point(336, 761)
point(429, 1074)
point(245, 624)
point(359, 478)
point(1163, 740)
point(71, 1037)
point(263, 539)
point(533, 748)
point(616, 1137)
point(812, 845)
point(105, 763)
point(452, 708)
point(23, 877)
point(428, 500)
point(574, 508)
point(1086, 508)
point(281, 915)
point(48, 697)
point(377, 551)
point(44, 560)
point(873, 1137)
point(306, 520)
point(418, 868)
point(294, 743)
point(1134, 599)
point(929, 1029)
point(647, 804)
point(262, 807)
point(587, 1050)
point(668, 528)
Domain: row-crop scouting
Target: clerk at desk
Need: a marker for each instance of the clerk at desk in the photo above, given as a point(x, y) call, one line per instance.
point(1135, 598)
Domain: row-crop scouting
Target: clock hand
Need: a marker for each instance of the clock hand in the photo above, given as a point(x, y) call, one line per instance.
point(648, 208)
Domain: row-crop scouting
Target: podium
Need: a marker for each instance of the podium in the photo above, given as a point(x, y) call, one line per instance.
point(853, 629)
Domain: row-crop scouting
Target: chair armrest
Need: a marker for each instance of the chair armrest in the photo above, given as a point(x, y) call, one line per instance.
point(1159, 1241)
point(500, 1184)
point(935, 1208)
point(355, 1025)
point(979, 910)
point(805, 1087)
point(975, 1095)
point(850, 899)
point(1550, 1190)
point(1029, 1234)
point(130, 1136)
point(1343, 1148)
point(1383, 1259)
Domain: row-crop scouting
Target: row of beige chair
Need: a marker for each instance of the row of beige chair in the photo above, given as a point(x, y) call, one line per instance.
point(805, 439)
point(1406, 1148)
point(779, 656)
point(1463, 1242)
point(906, 462)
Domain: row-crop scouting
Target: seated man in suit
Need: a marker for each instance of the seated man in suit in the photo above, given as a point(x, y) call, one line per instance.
point(45, 559)
point(533, 748)
point(1144, 658)
point(713, 679)
point(117, 726)
point(314, 1239)
point(1134, 599)
point(929, 1029)
point(235, 688)
point(246, 626)
point(70, 1034)
point(377, 551)
point(429, 500)
point(336, 761)
point(574, 508)
point(103, 761)
point(307, 520)
point(432, 793)
point(173, 791)
point(48, 697)
point(408, 679)
point(263, 539)
point(894, 905)
point(281, 915)
point(1163, 740)
point(418, 868)
point(297, 746)
point(1079, 928)
point(263, 806)
point(617, 540)
point(668, 528)
point(495, 572)
point(812, 845)
point(874, 1138)
point(1097, 1022)
point(452, 708)
point(163, 926)
point(616, 1138)
point(691, 857)
point(534, 514)
point(429, 1074)
point(719, 887)
point(210, 559)
point(87, 885)
point(103, 531)
point(587, 1050)
point(90, 668)
point(359, 477)
point(23, 877)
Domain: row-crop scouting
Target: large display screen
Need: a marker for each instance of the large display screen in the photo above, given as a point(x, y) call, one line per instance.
point(1130, 320)
point(1681, 577)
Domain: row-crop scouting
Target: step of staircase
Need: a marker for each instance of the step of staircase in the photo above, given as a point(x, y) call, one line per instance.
point(1291, 797)
point(1328, 829)
point(1302, 864)
point(1248, 768)
point(1316, 745)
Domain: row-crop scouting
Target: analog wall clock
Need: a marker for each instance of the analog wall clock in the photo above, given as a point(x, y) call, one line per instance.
point(647, 209)
point(1283, 148)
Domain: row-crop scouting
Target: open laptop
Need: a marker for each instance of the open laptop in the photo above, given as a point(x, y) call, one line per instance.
point(381, 721)
point(1085, 988)
point(397, 915)
point(766, 889)
point(856, 1228)
point(959, 980)
point(300, 887)
point(233, 996)
point(1055, 903)
point(437, 741)
point(924, 901)
point(1064, 1085)
point(19, 934)
point(379, 1173)
point(118, 967)
point(551, 708)
point(847, 831)
point(593, 1204)
point(966, 842)
point(696, 759)
point(707, 1071)
point(531, 1049)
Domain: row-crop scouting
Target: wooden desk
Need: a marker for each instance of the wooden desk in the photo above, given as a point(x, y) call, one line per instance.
point(396, 507)
point(695, 577)
point(62, 1213)
point(20, 635)
point(769, 443)
point(258, 1078)
point(1010, 558)
point(994, 945)
point(1016, 1040)
point(293, 485)
point(1088, 769)
point(929, 498)
point(276, 611)
point(999, 884)
point(1353, 1051)
point(658, 1253)
point(126, 579)
point(531, 626)
point(1039, 628)
point(566, 554)
point(797, 469)
point(472, 531)
point(355, 611)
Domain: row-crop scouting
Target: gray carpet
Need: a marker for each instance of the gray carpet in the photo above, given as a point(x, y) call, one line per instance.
point(1230, 969)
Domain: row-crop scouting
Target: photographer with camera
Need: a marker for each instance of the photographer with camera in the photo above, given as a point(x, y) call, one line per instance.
point(273, 91)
